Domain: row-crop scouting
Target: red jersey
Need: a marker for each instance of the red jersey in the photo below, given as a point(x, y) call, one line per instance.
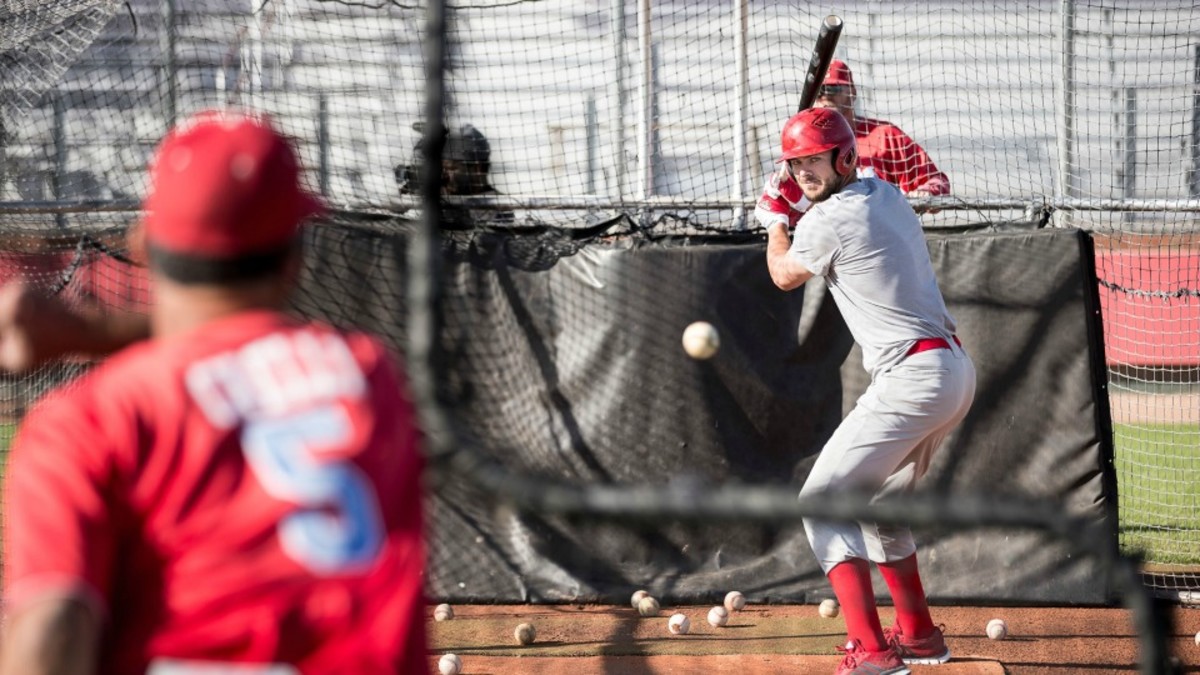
point(245, 492)
point(896, 158)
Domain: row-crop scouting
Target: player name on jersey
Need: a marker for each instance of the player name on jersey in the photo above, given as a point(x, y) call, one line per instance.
point(273, 376)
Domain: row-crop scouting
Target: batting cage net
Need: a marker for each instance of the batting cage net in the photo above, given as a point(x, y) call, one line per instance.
point(602, 165)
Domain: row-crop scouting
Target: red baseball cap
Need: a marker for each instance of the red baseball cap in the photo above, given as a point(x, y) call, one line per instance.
point(225, 184)
point(838, 74)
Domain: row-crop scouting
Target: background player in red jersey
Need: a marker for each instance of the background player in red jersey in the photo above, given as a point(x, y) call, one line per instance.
point(242, 487)
point(884, 151)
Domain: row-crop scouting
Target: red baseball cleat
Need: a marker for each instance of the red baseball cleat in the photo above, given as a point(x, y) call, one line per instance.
point(930, 650)
point(859, 661)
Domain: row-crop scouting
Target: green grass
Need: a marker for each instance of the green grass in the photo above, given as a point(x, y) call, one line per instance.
point(1158, 488)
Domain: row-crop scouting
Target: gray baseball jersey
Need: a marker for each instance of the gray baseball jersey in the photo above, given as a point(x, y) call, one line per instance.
point(867, 242)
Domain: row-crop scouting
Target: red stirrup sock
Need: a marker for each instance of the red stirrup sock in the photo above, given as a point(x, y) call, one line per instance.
point(904, 583)
point(851, 580)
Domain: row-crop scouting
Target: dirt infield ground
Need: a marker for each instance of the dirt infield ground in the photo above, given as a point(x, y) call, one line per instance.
point(595, 640)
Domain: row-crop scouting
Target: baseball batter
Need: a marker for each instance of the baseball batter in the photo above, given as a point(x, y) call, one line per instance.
point(241, 488)
point(862, 236)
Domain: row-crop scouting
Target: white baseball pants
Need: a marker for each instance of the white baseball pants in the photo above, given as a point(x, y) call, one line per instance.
point(884, 445)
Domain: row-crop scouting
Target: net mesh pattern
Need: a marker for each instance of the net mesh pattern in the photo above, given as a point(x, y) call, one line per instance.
point(600, 114)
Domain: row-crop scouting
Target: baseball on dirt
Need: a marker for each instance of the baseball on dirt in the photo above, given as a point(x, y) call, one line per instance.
point(1198, 639)
point(700, 340)
point(679, 624)
point(997, 629)
point(648, 606)
point(449, 664)
point(734, 601)
point(525, 634)
point(637, 597)
point(718, 616)
point(443, 612)
point(829, 608)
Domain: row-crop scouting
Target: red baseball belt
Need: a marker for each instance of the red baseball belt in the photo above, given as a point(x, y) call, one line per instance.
point(926, 344)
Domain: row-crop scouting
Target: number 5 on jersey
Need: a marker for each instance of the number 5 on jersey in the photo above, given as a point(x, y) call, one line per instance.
point(336, 527)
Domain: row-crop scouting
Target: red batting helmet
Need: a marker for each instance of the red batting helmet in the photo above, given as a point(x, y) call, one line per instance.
point(225, 184)
point(838, 74)
point(816, 130)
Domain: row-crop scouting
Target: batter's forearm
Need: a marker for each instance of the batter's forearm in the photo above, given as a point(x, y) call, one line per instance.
point(786, 271)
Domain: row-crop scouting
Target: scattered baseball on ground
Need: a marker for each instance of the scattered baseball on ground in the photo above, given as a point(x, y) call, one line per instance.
point(718, 616)
point(637, 597)
point(525, 633)
point(997, 629)
point(1198, 639)
point(679, 624)
point(449, 664)
point(443, 612)
point(829, 608)
point(700, 340)
point(648, 606)
point(735, 601)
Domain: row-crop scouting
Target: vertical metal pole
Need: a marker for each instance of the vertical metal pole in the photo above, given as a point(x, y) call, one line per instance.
point(3, 161)
point(59, 175)
point(741, 105)
point(617, 109)
point(591, 130)
point(1194, 182)
point(323, 143)
point(170, 62)
point(1066, 117)
point(254, 54)
point(423, 283)
point(645, 172)
point(1129, 160)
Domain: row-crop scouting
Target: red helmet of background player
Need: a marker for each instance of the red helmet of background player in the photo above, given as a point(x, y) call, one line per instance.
point(816, 130)
point(838, 75)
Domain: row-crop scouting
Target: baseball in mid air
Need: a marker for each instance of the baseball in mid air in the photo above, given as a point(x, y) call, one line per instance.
point(443, 612)
point(449, 664)
point(997, 629)
point(735, 601)
point(525, 634)
point(700, 340)
point(679, 624)
point(829, 608)
point(718, 616)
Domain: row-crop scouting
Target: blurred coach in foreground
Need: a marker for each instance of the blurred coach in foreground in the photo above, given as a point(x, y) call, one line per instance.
point(239, 488)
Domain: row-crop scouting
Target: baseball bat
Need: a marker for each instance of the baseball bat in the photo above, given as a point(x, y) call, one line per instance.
point(827, 39)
